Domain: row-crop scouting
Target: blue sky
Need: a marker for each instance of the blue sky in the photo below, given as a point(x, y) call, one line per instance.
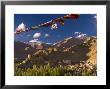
point(86, 23)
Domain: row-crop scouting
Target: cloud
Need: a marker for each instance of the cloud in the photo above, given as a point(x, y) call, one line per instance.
point(48, 43)
point(95, 16)
point(22, 26)
point(34, 40)
point(47, 35)
point(77, 33)
point(36, 35)
point(81, 35)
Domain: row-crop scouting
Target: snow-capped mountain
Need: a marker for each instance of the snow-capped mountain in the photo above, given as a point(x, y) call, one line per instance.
point(69, 51)
point(35, 43)
point(77, 39)
point(73, 49)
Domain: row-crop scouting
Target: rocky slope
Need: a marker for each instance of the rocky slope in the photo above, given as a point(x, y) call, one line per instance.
point(92, 54)
point(67, 52)
point(21, 50)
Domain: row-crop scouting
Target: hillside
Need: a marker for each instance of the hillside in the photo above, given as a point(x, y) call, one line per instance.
point(21, 50)
point(67, 52)
point(92, 54)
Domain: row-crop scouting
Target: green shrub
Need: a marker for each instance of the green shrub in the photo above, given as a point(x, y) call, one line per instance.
point(59, 70)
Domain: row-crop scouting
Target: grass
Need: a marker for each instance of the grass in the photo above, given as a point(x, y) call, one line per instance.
point(82, 69)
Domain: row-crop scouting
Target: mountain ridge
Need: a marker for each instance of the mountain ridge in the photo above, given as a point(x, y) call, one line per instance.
point(64, 53)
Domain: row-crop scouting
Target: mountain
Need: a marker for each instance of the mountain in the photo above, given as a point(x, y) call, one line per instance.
point(21, 50)
point(73, 50)
point(92, 54)
point(38, 44)
point(69, 42)
point(69, 51)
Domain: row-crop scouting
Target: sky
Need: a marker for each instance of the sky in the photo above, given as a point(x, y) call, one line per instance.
point(86, 24)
